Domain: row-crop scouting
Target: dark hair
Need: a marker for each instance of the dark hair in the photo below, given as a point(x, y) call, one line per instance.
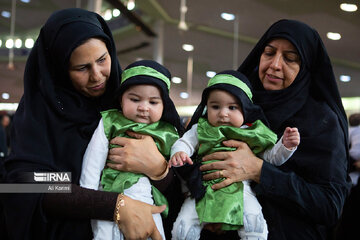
point(354, 119)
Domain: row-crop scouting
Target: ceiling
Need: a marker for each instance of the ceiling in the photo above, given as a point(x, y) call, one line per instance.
point(211, 36)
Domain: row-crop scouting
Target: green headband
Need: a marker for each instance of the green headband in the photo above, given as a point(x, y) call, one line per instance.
point(229, 79)
point(147, 71)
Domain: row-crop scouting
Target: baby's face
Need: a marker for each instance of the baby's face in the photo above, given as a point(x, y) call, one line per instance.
point(223, 109)
point(142, 104)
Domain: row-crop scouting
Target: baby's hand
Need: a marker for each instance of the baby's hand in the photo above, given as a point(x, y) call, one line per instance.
point(291, 138)
point(179, 159)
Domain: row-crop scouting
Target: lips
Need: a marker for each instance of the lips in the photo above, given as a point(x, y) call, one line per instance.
point(273, 78)
point(98, 87)
point(143, 117)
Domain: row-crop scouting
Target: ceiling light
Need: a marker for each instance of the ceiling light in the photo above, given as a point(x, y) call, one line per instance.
point(188, 47)
point(25, 1)
point(29, 43)
point(0, 42)
point(5, 96)
point(108, 15)
point(6, 14)
point(9, 43)
point(131, 5)
point(183, 9)
point(18, 43)
point(210, 74)
point(184, 95)
point(176, 80)
point(116, 12)
point(348, 7)
point(333, 36)
point(183, 26)
point(228, 16)
point(345, 78)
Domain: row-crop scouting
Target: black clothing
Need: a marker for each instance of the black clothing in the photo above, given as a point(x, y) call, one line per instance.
point(303, 198)
point(3, 144)
point(54, 123)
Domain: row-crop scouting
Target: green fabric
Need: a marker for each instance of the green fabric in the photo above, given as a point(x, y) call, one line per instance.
point(115, 125)
point(229, 79)
point(226, 205)
point(147, 71)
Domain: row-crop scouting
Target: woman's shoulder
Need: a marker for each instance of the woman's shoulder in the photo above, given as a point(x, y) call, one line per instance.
point(316, 117)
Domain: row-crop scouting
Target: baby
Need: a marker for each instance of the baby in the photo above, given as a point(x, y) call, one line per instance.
point(227, 112)
point(145, 108)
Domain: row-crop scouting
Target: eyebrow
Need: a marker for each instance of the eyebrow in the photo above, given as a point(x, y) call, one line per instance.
point(88, 64)
point(287, 51)
point(137, 95)
point(216, 102)
point(102, 56)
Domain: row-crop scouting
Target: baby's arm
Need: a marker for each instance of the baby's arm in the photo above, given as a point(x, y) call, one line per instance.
point(94, 159)
point(184, 147)
point(179, 159)
point(284, 148)
point(291, 138)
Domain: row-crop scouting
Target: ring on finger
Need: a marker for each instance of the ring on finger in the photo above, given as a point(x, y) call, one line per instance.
point(221, 175)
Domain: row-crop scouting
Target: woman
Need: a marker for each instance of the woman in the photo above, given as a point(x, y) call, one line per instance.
point(295, 85)
point(71, 74)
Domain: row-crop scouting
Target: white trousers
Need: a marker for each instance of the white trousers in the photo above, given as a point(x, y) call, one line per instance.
point(187, 226)
point(107, 230)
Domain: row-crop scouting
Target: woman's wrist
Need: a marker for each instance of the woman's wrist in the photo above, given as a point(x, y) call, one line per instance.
point(120, 202)
point(163, 173)
point(257, 169)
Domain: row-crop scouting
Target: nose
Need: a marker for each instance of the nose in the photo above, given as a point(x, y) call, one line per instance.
point(223, 112)
point(276, 62)
point(95, 75)
point(143, 106)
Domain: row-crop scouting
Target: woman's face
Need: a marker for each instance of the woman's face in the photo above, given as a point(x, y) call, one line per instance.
point(279, 64)
point(90, 67)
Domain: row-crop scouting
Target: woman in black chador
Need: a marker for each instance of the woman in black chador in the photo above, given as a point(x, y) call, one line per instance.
point(294, 84)
point(71, 75)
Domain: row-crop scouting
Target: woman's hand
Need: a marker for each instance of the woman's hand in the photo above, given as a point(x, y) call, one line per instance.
point(138, 155)
point(235, 166)
point(136, 220)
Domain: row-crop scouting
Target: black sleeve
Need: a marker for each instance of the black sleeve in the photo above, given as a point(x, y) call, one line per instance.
point(81, 203)
point(314, 182)
point(193, 178)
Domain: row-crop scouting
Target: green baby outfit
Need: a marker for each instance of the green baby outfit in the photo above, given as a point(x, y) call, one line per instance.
point(226, 204)
point(116, 125)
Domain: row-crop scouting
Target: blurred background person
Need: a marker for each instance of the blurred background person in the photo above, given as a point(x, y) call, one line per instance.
point(348, 227)
point(5, 120)
point(354, 141)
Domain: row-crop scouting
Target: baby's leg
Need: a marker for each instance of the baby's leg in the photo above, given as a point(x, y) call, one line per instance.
point(109, 230)
point(187, 226)
point(142, 191)
point(255, 227)
point(105, 230)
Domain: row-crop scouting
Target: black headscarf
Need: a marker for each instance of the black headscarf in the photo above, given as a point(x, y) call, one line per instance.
point(314, 180)
point(153, 73)
point(250, 111)
point(54, 123)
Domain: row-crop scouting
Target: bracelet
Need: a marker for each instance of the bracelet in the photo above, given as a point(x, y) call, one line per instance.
point(163, 174)
point(120, 202)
